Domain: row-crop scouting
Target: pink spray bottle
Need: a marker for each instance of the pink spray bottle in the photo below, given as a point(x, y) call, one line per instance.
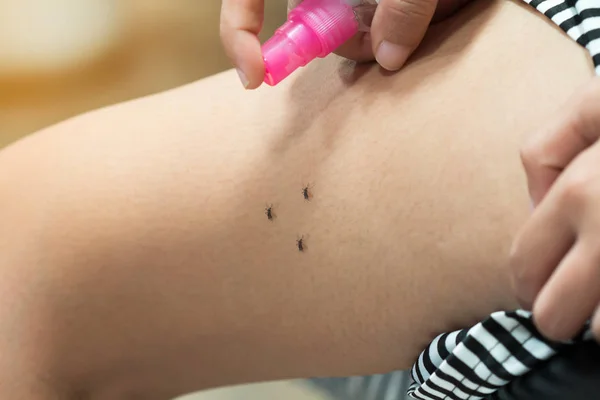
point(314, 29)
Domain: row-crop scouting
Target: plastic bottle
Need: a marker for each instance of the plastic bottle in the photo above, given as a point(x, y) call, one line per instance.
point(314, 29)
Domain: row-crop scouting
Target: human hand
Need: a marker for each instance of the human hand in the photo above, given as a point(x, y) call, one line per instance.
point(397, 30)
point(555, 260)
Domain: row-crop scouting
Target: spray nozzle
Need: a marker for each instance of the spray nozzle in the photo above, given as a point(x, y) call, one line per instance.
point(314, 29)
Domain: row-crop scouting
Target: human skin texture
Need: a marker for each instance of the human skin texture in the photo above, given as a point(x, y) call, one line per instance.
point(137, 261)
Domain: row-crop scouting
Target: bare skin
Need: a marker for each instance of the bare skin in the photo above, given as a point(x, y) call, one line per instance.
point(136, 258)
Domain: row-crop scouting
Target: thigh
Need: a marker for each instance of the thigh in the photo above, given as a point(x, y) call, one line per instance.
point(155, 210)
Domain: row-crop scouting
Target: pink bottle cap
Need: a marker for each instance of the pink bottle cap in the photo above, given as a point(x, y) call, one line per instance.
point(314, 29)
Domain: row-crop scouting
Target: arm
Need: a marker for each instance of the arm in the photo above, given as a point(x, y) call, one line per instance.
point(138, 259)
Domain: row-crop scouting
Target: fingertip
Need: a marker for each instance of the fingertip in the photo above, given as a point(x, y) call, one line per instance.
point(243, 78)
point(570, 297)
point(398, 29)
point(247, 59)
point(549, 322)
point(520, 276)
point(391, 56)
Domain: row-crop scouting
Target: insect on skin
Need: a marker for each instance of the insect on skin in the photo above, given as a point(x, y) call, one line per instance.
point(269, 212)
point(300, 244)
point(306, 192)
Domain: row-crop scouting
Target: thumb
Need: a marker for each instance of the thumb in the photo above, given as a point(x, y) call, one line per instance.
point(241, 21)
point(549, 152)
point(398, 28)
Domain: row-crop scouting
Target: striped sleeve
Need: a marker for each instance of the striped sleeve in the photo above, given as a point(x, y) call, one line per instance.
point(474, 363)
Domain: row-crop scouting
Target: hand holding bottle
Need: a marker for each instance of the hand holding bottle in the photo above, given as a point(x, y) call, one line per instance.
point(398, 27)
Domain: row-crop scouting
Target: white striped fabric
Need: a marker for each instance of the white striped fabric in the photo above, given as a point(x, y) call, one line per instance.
point(481, 360)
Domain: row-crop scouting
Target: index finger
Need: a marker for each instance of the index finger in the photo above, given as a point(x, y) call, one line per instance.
point(241, 22)
point(549, 152)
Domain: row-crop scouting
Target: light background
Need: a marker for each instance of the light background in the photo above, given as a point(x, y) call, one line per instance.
point(161, 44)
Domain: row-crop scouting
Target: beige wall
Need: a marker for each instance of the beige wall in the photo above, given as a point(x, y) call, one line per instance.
point(163, 44)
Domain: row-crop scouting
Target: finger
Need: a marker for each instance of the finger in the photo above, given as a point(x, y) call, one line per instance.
point(554, 147)
point(540, 245)
point(241, 21)
point(571, 295)
point(596, 324)
point(359, 48)
point(398, 28)
point(573, 200)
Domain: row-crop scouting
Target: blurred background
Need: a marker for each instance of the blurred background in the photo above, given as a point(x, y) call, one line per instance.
point(59, 58)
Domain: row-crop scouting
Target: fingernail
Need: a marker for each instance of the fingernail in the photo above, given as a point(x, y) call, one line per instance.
point(526, 294)
point(243, 78)
point(391, 56)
